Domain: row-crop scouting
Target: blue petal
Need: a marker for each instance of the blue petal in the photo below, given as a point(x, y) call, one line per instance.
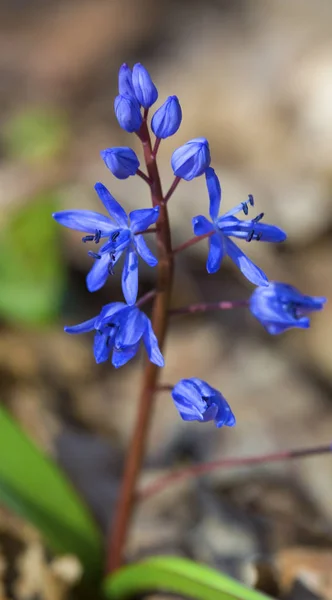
point(118, 242)
point(192, 159)
point(141, 219)
point(144, 251)
point(85, 220)
point(82, 327)
point(167, 119)
point(132, 324)
point(101, 348)
point(121, 357)
point(214, 190)
point(128, 112)
point(114, 208)
point(151, 345)
point(224, 415)
point(121, 161)
point(98, 274)
point(130, 277)
point(201, 225)
point(188, 400)
point(145, 90)
point(125, 81)
point(110, 311)
point(216, 253)
point(246, 266)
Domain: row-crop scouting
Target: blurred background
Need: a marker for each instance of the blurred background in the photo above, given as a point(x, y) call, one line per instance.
point(255, 78)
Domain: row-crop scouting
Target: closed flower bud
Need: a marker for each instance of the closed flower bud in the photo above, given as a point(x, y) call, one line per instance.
point(145, 90)
point(167, 119)
point(122, 162)
point(125, 81)
point(192, 159)
point(128, 112)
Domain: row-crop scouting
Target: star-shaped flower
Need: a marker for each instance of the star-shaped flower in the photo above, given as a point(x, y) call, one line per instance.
point(280, 306)
point(121, 229)
point(228, 226)
point(119, 329)
point(196, 400)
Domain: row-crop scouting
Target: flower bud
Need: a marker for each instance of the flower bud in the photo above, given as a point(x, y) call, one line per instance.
point(122, 162)
point(145, 90)
point(125, 81)
point(167, 119)
point(128, 112)
point(192, 159)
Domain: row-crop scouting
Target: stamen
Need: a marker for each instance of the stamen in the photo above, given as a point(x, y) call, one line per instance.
point(115, 235)
point(250, 235)
point(88, 238)
point(259, 236)
point(94, 255)
point(258, 218)
point(97, 236)
point(251, 200)
point(110, 267)
point(245, 208)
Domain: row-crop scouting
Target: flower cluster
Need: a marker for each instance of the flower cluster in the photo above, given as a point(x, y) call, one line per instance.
point(120, 327)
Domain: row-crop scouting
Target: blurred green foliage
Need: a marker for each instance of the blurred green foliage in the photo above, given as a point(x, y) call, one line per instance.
point(32, 274)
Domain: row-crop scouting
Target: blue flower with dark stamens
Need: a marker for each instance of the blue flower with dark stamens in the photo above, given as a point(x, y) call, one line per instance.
point(228, 226)
point(119, 329)
point(122, 162)
point(121, 229)
point(192, 159)
point(167, 119)
point(144, 88)
point(128, 113)
point(196, 400)
point(280, 306)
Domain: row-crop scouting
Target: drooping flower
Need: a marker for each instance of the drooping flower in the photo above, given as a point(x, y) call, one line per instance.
point(280, 306)
point(128, 112)
point(118, 330)
point(196, 400)
point(226, 226)
point(121, 161)
point(167, 119)
point(144, 88)
point(121, 229)
point(192, 159)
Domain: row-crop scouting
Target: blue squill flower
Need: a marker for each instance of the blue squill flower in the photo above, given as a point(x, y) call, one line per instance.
point(126, 81)
point(118, 330)
point(128, 113)
point(280, 306)
point(167, 119)
point(122, 162)
point(192, 159)
point(144, 88)
point(228, 226)
point(121, 230)
point(196, 400)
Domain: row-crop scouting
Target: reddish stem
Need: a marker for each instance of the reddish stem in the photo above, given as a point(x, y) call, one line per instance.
point(159, 319)
point(142, 175)
point(192, 242)
point(156, 147)
point(152, 230)
point(144, 299)
point(205, 307)
point(172, 189)
point(229, 463)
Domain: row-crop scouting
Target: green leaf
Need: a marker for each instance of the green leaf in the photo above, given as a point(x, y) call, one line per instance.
point(35, 135)
point(176, 575)
point(31, 269)
point(32, 486)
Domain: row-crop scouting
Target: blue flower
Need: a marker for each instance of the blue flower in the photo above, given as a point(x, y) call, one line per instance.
point(126, 81)
point(128, 112)
point(196, 400)
point(167, 119)
point(121, 230)
point(145, 90)
point(280, 306)
point(228, 226)
point(122, 162)
point(192, 159)
point(119, 329)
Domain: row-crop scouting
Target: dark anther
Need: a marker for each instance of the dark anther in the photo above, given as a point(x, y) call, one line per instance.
point(251, 199)
point(97, 236)
point(245, 208)
point(94, 255)
point(258, 218)
point(250, 235)
point(259, 236)
point(110, 268)
point(88, 238)
point(115, 235)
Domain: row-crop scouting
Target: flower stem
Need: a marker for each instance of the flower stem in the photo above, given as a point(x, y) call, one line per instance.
point(172, 189)
point(156, 147)
point(205, 307)
point(160, 312)
point(192, 242)
point(144, 299)
point(229, 463)
point(142, 175)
